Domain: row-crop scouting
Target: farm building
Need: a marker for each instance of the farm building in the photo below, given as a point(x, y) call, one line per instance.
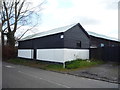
point(62, 44)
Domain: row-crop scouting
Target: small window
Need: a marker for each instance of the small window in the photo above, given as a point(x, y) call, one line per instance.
point(102, 45)
point(93, 46)
point(62, 36)
point(79, 44)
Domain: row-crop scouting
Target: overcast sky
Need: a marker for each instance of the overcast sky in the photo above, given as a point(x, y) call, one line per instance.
point(100, 16)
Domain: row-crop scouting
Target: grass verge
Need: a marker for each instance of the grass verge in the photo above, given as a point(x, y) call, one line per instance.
point(82, 63)
point(70, 65)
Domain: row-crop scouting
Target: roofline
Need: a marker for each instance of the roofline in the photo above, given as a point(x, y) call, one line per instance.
point(77, 24)
point(83, 30)
point(41, 37)
point(105, 39)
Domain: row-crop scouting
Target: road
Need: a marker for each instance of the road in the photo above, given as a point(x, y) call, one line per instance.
point(18, 76)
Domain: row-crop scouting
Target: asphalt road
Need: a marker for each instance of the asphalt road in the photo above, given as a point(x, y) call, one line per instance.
point(18, 76)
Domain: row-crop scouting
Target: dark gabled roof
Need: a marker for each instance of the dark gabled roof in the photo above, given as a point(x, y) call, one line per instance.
point(64, 29)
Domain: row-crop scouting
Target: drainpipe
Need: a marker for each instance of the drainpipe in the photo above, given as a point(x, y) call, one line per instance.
point(64, 65)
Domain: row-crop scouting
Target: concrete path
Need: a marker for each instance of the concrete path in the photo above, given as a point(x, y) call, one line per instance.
point(18, 76)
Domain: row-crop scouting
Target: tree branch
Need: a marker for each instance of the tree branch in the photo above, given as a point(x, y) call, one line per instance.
point(8, 23)
point(26, 32)
point(15, 24)
point(20, 8)
point(11, 7)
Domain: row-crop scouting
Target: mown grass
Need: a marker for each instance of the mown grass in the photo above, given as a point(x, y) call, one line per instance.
point(70, 65)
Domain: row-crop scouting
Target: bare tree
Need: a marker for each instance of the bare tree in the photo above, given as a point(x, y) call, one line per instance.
point(15, 14)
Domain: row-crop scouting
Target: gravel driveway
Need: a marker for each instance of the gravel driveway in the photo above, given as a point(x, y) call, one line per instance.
point(105, 72)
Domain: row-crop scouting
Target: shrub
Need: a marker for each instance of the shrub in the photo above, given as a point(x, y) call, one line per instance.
point(9, 52)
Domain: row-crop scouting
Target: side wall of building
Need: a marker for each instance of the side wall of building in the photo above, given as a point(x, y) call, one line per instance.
point(62, 55)
point(75, 37)
point(25, 53)
point(54, 55)
point(27, 44)
point(46, 42)
point(99, 42)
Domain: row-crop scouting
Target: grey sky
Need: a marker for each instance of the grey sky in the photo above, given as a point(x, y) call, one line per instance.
point(100, 16)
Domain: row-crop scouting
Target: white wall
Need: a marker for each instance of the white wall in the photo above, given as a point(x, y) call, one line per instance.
point(62, 55)
point(72, 54)
point(55, 55)
point(25, 53)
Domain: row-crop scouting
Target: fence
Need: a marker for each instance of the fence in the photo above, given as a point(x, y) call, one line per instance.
point(105, 53)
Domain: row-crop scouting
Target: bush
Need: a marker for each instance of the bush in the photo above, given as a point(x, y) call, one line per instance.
point(8, 52)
